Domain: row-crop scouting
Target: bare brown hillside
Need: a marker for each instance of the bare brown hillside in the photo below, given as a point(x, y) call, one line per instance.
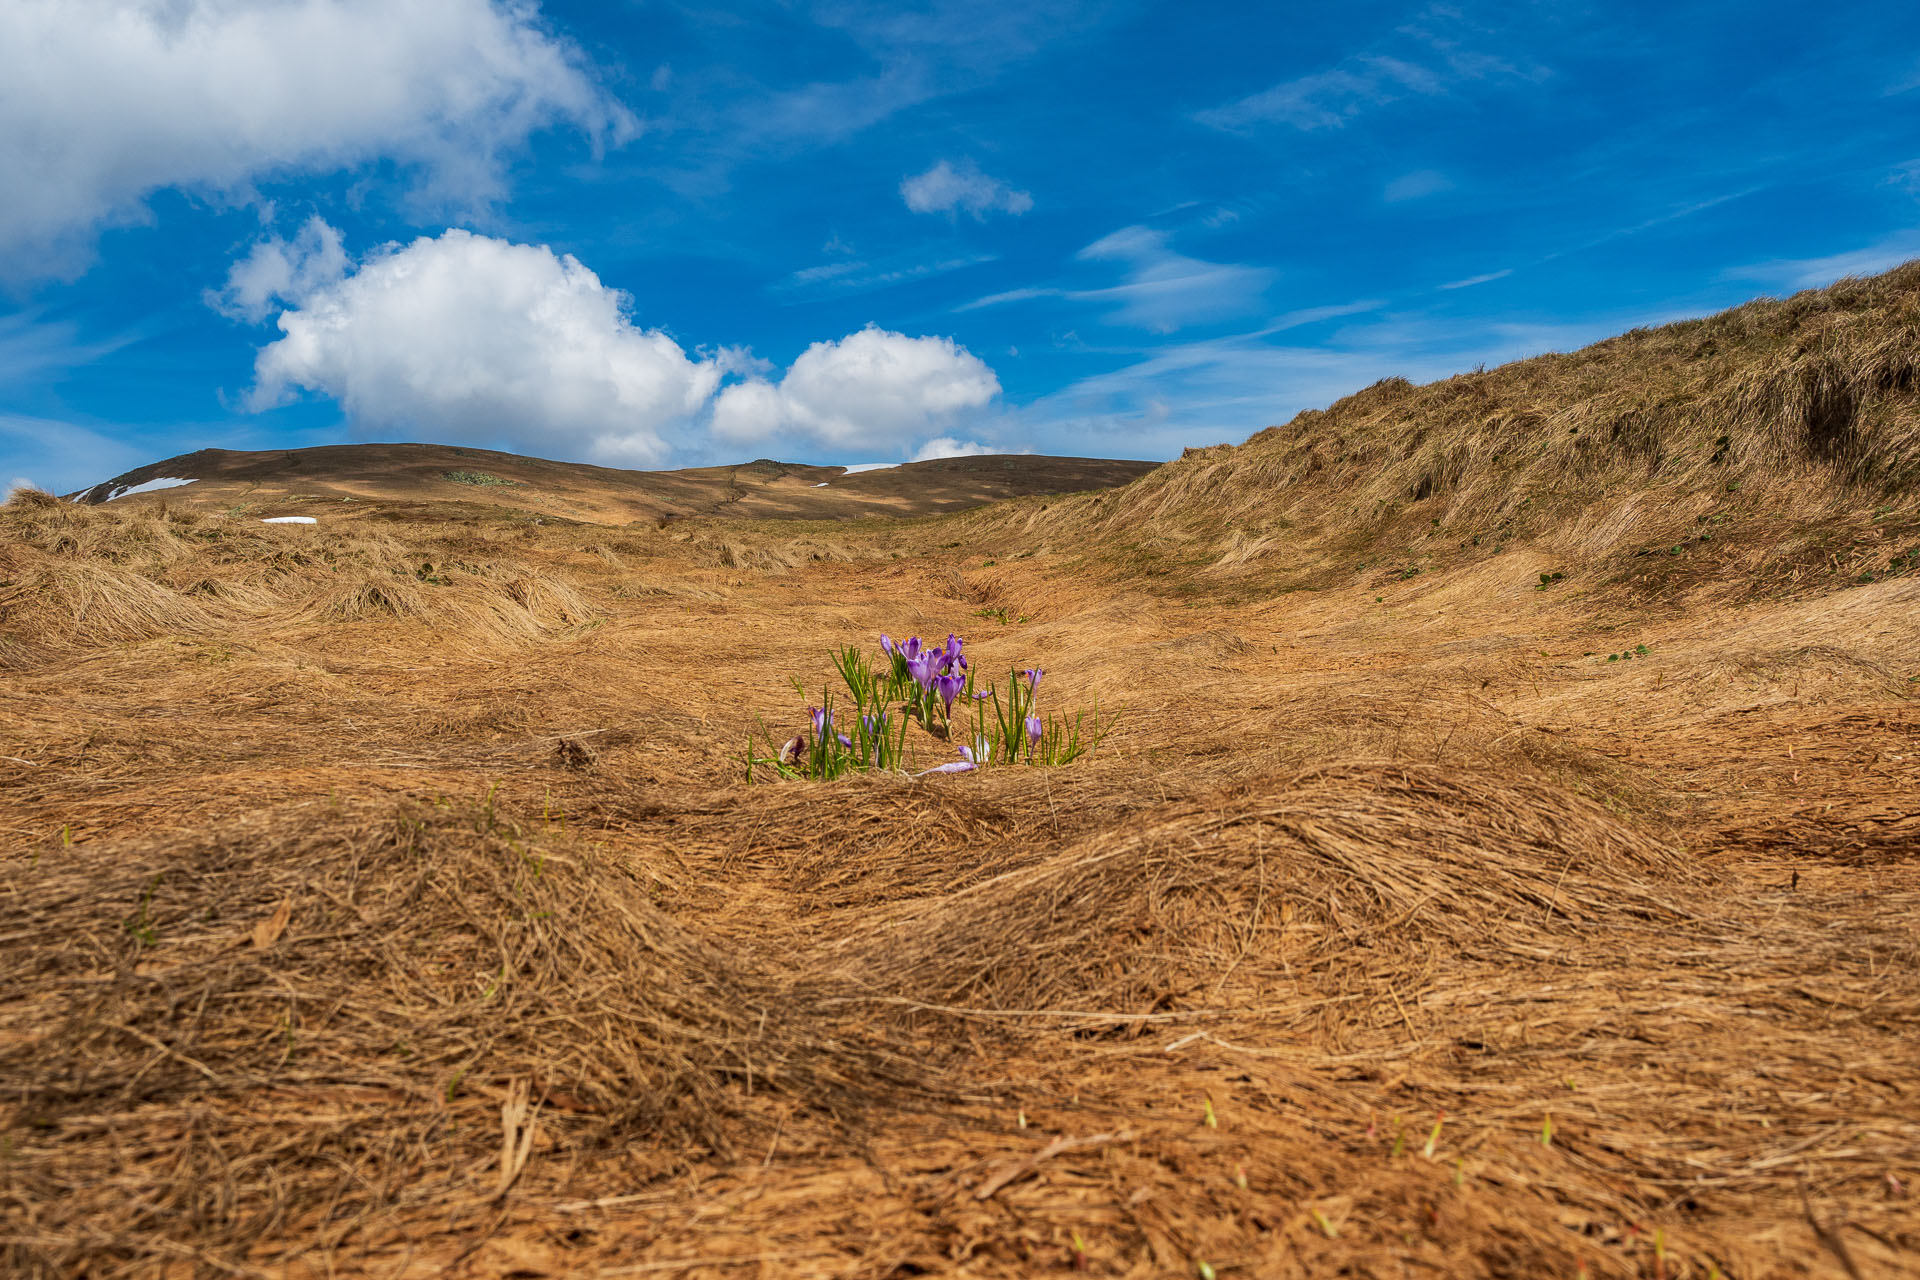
point(448, 481)
point(388, 897)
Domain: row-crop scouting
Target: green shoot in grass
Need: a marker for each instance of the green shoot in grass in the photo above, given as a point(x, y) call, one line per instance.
point(140, 925)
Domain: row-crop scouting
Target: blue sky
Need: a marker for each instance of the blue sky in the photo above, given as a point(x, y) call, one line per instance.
point(653, 234)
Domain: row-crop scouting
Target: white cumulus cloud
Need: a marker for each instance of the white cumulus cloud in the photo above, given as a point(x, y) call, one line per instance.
point(108, 101)
point(464, 337)
point(277, 270)
point(948, 447)
point(468, 337)
point(948, 187)
point(873, 389)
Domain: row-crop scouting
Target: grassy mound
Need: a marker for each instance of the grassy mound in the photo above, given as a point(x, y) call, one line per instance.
point(74, 578)
point(1803, 413)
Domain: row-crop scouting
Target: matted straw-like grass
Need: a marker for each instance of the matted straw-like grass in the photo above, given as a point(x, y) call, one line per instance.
point(383, 897)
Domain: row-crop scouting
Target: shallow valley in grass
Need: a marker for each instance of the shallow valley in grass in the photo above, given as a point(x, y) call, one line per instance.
point(1503, 861)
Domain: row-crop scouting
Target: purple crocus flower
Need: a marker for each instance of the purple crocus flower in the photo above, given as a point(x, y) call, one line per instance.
point(822, 722)
point(911, 649)
point(1034, 732)
point(886, 644)
point(971, 758)
point(949, 687)
point(1033, 675)
point(921, 668)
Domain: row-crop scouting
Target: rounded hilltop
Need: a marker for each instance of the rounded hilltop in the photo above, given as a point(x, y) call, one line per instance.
point(422, 480)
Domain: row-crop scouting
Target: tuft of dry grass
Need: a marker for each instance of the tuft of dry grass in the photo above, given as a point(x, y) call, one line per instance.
point(403, 960)
point(79, 577)
point(1372, 854)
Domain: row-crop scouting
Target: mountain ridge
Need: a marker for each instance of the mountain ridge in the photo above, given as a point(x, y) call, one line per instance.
point(459, 479)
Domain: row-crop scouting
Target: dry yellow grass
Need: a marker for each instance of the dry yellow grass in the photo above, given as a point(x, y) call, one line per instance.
point(381, 898)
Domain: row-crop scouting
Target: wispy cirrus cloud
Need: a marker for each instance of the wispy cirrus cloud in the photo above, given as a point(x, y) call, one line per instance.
point(65, 456)
point(1011, 295)
point(1436, 53)
point(910, 55)
point(1224, 389)
point(32, 346)
point(1812, 273)
point(1470, 281)
point(1163, 289)
point(1416, 185)
point(1327, 99)
point(855, 275)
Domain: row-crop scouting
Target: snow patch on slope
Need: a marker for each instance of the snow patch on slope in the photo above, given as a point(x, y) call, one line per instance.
point(145, 486)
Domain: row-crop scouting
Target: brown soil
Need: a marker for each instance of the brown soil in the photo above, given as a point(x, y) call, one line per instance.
point(384, 897)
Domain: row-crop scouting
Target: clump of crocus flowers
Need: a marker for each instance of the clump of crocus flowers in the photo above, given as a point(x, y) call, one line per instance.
point(931, 686)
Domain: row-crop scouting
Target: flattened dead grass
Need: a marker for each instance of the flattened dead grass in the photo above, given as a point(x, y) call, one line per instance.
point(382, 898)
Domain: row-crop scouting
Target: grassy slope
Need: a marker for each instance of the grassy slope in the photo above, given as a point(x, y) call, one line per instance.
point(1788, 425)
point(348, 853)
